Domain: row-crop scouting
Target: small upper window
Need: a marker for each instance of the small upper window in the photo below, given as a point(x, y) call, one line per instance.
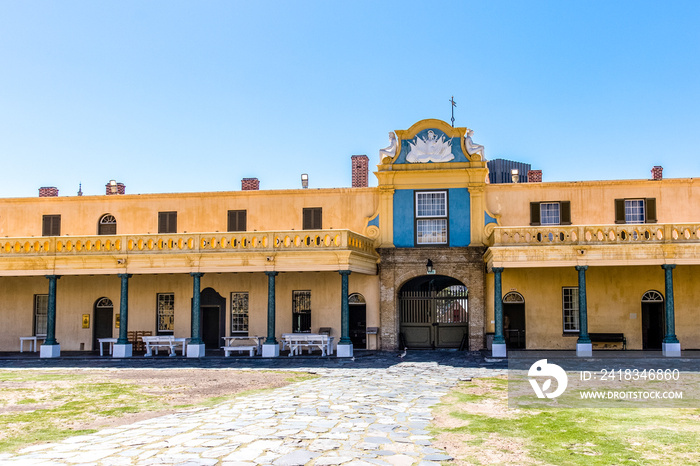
point(108, 225)
point(237, 220)
point(550, 213)
point(431, 217)
point(635, 211)
point(313, 218)
point(167, 222)
point(51, 225)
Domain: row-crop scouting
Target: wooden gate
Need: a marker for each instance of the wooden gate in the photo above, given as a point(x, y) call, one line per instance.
point(432, 319)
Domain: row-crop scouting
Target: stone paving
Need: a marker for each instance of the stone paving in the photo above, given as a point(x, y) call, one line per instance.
point(353, 414)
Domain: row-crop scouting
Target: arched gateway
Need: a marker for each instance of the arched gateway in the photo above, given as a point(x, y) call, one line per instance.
point(433, 312)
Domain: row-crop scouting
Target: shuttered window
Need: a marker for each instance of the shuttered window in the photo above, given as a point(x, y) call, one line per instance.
point(51, 225)
point(312, 218)
point(633, 211)
point(237, 220)
point(550, 213)
point(167, 222)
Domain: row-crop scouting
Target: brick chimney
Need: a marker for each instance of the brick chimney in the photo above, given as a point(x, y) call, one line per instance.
point(48, 191)
point(534, 176)
point(360, 171)
point(113, 188)
point(250, 184)
point(657, 173)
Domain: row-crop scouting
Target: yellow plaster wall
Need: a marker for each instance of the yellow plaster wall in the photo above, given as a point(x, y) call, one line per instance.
point(343, 208)
point(614, 302)
point(76, 295)
point(593, 202)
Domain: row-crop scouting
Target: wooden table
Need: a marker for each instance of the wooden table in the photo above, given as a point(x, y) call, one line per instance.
point(111, 342)
point(164, 341)
point(32, 343)
point(298, 341)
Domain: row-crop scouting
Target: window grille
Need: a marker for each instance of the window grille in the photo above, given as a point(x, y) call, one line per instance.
point(41, 306)
point(166, 313)
point(549, 213)
point(570, 308)
point(634, 211)
point(301, 311)
point(239, 313)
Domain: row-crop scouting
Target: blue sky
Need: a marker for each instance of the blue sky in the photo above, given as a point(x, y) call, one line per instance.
point(169, 96)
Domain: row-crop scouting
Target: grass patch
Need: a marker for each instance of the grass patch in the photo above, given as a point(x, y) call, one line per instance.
point(470, 428)
point(49, 406)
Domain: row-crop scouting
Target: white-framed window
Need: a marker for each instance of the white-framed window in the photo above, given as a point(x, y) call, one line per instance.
point(165, 313)
point(431, 217)
point(549, 213)
point(634, 211)
point(569, 304)
point(239, 313)
point(41, 307)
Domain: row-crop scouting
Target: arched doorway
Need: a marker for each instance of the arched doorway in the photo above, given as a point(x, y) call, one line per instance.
point(102, 315)
point(358, 320)
point(653, 320)
point(433, 312)
point(213, 314)
point(514, 320)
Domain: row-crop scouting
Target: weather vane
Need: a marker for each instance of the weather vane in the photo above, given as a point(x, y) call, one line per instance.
point(454, 104)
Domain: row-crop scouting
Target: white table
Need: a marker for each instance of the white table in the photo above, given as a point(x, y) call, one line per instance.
point(111, 341)
point(298, 341)
point(164, 341)
point(230, 344)
point(32, 343)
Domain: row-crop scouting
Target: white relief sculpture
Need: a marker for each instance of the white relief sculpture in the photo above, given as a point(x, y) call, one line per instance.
point(430, 149)
point(388, 152)
point(471, 147)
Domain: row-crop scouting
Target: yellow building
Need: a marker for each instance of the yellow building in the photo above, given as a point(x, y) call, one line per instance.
point(433, 257)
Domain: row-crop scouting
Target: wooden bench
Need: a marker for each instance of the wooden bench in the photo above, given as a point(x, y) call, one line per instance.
point(609, 338)
point(228, 349)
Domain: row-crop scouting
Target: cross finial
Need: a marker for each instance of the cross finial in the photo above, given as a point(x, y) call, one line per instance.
point(454, 104)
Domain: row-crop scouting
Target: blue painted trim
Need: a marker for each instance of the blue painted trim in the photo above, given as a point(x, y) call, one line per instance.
point(374, 222)
point(404, 218)
point(460, 217)
point(488, 219)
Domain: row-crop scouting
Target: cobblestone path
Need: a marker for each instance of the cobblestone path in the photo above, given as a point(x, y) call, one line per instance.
point(370, 416)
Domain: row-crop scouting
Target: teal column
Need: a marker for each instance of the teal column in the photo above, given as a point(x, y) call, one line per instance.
point(344, 309)
point(271, 308)
point(196, 312)
point(582, 306)
point(670, 336)
point(124, 310)
point(498, 305)
point(51, 312)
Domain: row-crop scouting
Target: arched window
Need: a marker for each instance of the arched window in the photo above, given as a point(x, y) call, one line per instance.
point(104, 302)
point(652, 296)
point(356, 298)
point(514, 297)
point(108, 225)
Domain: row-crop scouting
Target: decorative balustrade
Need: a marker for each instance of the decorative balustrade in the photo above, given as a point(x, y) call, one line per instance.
point(201, 242)
point(596, 234)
